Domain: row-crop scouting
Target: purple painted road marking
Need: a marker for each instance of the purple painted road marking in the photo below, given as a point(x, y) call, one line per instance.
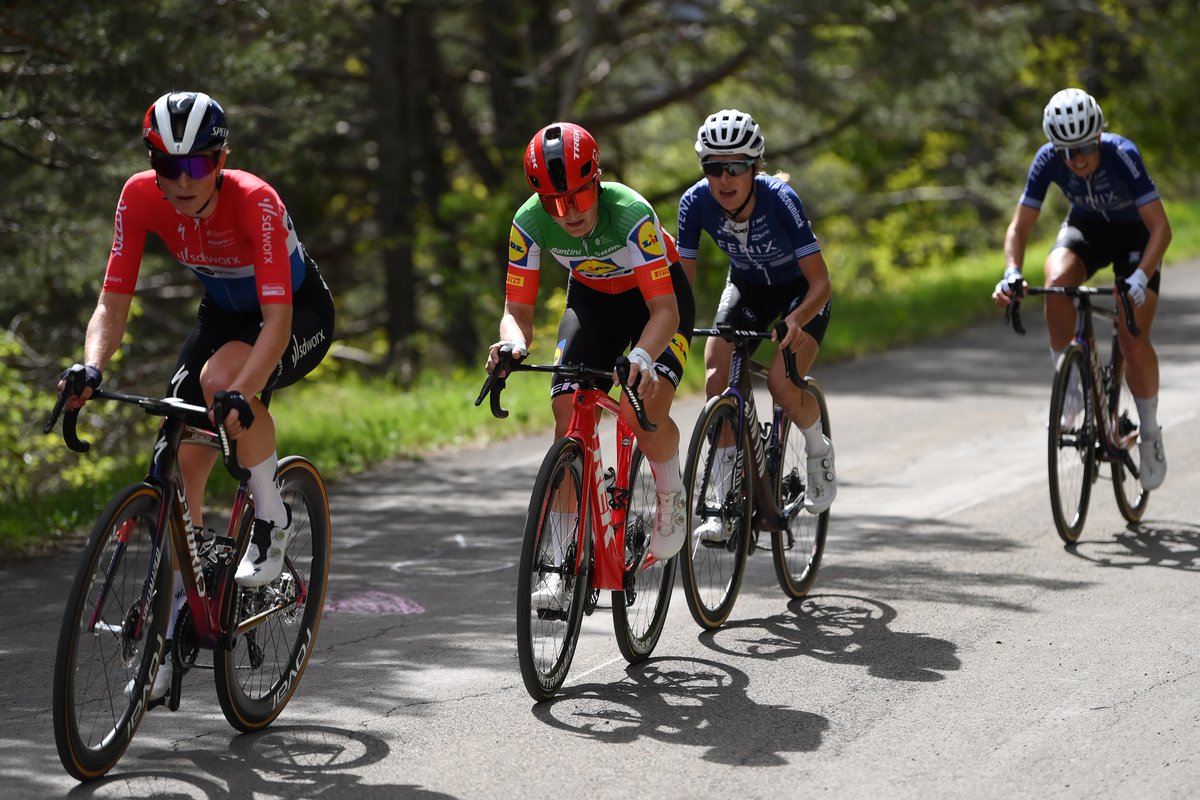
point(374, 603)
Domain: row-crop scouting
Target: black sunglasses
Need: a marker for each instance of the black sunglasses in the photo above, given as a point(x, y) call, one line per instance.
point(734, 168)
point(196, 166)
point(1067, 153)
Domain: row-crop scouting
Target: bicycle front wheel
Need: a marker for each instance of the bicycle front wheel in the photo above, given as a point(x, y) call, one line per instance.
point(1131, 498)
point(277, 623)
point(797, 549)
point(551, 592)
point(113, 635)
point(1072, 444)
point(640, 610)
point(719, 510)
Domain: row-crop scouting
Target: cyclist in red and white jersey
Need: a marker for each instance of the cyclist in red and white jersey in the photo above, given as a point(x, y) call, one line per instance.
point(1116, 217)
point(264, 322)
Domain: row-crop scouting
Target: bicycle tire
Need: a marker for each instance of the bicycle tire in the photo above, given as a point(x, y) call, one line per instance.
point(1132, 499)
point(640, 610)
point(798, 548)
point(258, 675)
point(94, 720)
point(546, 637)
point(712, 572)
point(1072, 444)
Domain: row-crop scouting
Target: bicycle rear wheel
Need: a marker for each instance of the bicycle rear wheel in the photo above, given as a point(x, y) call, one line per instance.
point(713, 565)
point(1072, 444)
point(640, 610)
point(556, 539)
point(1131, 498)
point(798, 548)
point(279, 621)
point(112, 635)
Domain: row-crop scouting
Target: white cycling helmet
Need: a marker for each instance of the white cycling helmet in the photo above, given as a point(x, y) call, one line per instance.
point(1072, 117)
point(729, 132)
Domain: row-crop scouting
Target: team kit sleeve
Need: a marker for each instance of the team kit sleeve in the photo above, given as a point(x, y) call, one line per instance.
point(797, 224)
point(648, 255)
point(524, 254)
point(129, 239)
point(689, 224)
point(270, 229)
point(1142, 185)
point(1038, 180)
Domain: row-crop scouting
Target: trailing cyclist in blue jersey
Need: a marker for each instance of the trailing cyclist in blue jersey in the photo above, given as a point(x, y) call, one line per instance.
point(1116, 217)
point(776, 269)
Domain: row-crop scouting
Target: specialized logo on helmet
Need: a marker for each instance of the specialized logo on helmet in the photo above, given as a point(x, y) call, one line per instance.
point(648, 241)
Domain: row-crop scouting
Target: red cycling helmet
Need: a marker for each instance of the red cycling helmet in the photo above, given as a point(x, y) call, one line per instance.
point(562, 164)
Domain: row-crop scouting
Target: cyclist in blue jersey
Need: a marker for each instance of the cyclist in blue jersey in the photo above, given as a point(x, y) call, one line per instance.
point(775, 270)
point(1116, 217)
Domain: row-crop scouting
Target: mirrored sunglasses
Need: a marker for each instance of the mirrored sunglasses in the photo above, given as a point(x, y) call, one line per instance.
point(196, 166)
point(582, 199)
point(715, 168)
point(1067, 153)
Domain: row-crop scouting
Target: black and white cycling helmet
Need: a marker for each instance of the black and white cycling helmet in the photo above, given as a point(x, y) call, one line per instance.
point(181, 123)
point(1072, 117)
point(729, 132)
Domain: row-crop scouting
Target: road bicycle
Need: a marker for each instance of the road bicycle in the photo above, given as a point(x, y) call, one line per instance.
point(1092, 414)
point(114, 630)
point(587, 530)
point(764, 493)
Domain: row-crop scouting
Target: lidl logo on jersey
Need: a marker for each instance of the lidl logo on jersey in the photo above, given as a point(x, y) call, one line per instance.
point(648, 241)
point(558, 351)
point(594, 267)
point(679, 347)
point(518, 246)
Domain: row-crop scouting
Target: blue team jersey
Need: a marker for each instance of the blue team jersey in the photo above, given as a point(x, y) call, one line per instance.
point(766, 247)
point(1113, 193)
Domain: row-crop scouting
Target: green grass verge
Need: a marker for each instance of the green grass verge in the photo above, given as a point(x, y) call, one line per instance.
point(348, 426)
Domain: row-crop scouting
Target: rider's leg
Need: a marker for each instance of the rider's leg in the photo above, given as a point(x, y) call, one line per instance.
point(1141, 372)
point(803, 409)
point(1064, 267)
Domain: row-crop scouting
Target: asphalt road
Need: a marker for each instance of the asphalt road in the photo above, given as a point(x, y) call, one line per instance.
point(953, 645)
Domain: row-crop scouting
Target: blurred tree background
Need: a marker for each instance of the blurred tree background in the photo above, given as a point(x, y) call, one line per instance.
point(394, 130)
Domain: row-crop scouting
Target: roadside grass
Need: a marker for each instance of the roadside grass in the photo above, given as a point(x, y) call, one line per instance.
point(348, 426)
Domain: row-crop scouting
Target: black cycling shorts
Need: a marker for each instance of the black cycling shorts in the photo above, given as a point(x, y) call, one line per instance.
point(755, 306)
point(1099, 243)
point(312, 335)
point(597, 328)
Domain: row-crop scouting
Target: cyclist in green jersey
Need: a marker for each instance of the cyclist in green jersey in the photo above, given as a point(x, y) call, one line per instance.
point(625, 289)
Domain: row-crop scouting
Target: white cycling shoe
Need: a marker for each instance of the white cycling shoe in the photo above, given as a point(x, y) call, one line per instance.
point(822, 482)
point(670, 525)
point(551, 594)
point(263, 561)
point(1153, 461)
point(712, 531)
point(162, 681)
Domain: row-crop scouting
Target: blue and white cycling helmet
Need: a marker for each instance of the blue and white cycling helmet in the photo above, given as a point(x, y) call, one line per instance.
point(729, 132)
point(1071, 118)
point(181, 123)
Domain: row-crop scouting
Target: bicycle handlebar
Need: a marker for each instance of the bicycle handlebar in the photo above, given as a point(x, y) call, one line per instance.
point(195, 416)
point(496, 381)
point(735, 337)
point(1012, 314)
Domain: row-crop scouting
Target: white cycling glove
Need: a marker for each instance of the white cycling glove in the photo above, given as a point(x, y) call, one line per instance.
point(645, 363)
point(1010, 274)
point(519, 348)
point(1137, 286)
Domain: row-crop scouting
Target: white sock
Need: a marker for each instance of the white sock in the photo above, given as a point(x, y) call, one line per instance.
point(1055, 355)
point(268, 503)
point(814, 440)
point(666, 475)
point(1147, 408)
point(177, 601)
point(722, 469)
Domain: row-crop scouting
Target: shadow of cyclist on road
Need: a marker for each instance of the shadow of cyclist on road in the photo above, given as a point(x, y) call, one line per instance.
point(287, 761)
point(1156, 543)
point(686, 701)
point(840, 629)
